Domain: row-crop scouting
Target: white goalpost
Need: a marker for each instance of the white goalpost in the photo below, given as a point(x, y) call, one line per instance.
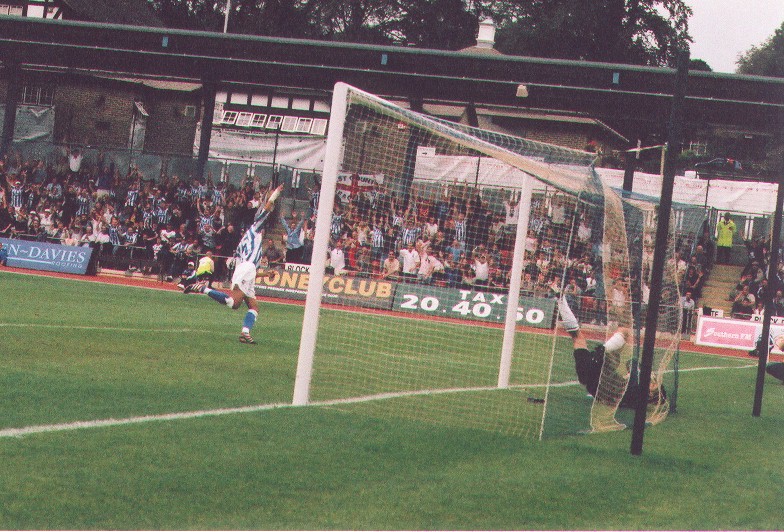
point(464, 332)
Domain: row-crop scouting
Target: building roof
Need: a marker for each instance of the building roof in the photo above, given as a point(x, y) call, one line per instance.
point(130, 12)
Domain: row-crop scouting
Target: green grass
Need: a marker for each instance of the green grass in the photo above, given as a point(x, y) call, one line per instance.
point(710, 466)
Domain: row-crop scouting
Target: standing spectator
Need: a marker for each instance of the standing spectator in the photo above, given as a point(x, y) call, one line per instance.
point(481, 269)
point(688, 304)
point(293, 242)
point(726, 231)
point(337, 259)
point(410, 261)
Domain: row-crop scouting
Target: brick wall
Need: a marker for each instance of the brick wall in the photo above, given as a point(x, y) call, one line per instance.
point(93, 114)
point(168, 129)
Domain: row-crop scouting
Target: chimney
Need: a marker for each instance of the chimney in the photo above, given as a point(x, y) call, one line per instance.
point(486, 36)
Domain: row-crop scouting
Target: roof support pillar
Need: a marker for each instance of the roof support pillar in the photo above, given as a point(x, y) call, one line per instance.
point(13, 74)
point(208, 113)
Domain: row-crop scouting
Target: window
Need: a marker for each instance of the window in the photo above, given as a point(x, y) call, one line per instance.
point(229, 117)
point(244, 119)
point(37, 95)
point(274, 121)
point(217, 117)
point(304, 125)
point(319, 127)
point(289, 124)
point(258, 120)
point(6, 9)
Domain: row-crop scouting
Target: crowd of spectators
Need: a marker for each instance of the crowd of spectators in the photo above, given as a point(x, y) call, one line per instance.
point(458, 237)
point(151, 225)
point(449, 235)
point(754, 288)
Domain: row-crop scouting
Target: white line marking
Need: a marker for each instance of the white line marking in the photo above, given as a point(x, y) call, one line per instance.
point(103, 328)
point(37, 429)
point(76, 425)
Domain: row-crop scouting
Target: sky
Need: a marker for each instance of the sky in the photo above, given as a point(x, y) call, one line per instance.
point(724, 29)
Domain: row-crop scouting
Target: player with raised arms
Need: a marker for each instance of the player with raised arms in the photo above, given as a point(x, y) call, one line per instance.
point(243, 283)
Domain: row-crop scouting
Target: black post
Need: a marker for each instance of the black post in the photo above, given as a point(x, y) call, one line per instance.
point(764, 345)
point(208, 92)
point(628, 172)
point(13, 74)
point(674, 139)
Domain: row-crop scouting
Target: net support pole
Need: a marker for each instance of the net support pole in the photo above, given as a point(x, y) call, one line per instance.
point(764, 345)
point(307, 345)
point(515, 281)
point(674, 134)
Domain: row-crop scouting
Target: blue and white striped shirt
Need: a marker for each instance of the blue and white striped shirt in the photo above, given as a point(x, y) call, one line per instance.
point(410, 235)
point(132, 197)
point(460, 231)
point(377, 238)
point(17, 197)
point(250, 247)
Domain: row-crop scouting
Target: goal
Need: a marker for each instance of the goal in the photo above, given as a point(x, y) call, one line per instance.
point(440, 252)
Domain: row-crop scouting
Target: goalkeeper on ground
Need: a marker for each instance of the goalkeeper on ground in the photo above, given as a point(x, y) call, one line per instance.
point(588, 364)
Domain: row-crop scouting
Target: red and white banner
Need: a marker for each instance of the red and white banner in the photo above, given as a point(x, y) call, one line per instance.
point(732, 334)
point(736, 334)
point(350, 186)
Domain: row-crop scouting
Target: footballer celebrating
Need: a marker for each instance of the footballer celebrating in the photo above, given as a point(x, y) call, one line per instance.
point(243, 283)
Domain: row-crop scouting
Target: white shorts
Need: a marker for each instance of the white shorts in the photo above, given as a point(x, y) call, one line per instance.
point(245, 277)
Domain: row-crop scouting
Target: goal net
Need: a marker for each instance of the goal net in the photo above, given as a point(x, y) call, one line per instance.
point(440, 253)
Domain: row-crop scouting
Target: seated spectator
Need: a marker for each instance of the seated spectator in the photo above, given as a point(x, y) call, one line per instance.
point(273, 254)
point(391, 268)
point(778, 303)
point(743, 304)
point(758, 314)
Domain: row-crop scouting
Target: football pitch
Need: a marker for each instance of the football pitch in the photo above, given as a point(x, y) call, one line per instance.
point(130, 408)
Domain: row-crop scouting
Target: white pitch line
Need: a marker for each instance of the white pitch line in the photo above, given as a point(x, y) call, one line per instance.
point(37, 429)
point(102, 328)
point(98, 423)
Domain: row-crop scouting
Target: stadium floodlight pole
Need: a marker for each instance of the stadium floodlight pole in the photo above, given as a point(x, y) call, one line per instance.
point(515, 281)
point(307, 345)
point(674, 139)
point(763, 347)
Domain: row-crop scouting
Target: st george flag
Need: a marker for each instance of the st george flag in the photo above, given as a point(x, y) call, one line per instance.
point(350, 186)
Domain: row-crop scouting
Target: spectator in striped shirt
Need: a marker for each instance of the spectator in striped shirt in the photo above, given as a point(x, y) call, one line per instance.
point(377, 242)
point(17, 195)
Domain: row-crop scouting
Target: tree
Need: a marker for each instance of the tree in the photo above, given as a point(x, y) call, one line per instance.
point(767, 59)
point(699, 64)
point(646, 32)
point(190, 14)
